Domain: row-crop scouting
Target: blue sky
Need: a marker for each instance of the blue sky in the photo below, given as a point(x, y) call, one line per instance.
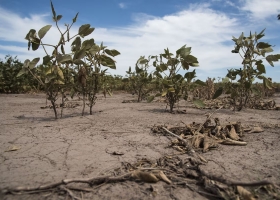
point(146, 27)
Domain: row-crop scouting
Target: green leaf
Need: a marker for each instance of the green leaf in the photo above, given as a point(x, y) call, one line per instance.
point(75, 18)
point(79, 54)
point(35, 45)
point(77, 43)
point(162, 67)
point(58, 17)
point(59, 82)
point(30, 35)
point(218, 93)
point(194, 64)
point(21, 72)
point(260, 35)
point(171, 89)
point(42, 32)
point(199, 103)
point(87, 44)
point(263, 45)
point(46, 59)
point(49, 77)
point(261, 68)
point(63, 58)
point(150, 99)
point(78, 62)
point(164, 93)
point(239, 41)
point(87, 32)
point(268, 50)
point(190, 59)
point(112, 52)
point(94, 49)
point(53, 11)
point(60, 73)
point(190, 75)
point(107, 61)
point(83, 29)
point(272, 58)
point(247, 85)
point(33, 63)
point(267, 83)
point(62, 49)
point(199, 82)
point(26, 63)
point(158, 95)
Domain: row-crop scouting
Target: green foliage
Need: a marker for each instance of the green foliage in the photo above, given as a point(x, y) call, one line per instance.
point(10, 82)
point(140, 80)
point(168, 71)
point(78, 71)
point(252, 52)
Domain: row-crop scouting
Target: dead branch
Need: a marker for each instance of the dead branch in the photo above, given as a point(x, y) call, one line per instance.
point(233, 142)
point(233, 183)
point(181, 139)
point(208, 117)
point(95, 180)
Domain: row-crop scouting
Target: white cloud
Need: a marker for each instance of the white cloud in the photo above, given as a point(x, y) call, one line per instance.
point(261, 9)
point(122, 5)
point(207, 31)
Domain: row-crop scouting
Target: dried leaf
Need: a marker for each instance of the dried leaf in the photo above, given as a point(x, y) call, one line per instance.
point(145, 176)
point(160, 175)
point(245, 194)
point(232, 134)
point(256, 129)
point(13, 148)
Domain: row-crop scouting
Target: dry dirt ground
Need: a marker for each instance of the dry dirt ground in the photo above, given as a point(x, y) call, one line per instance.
point(48, 150)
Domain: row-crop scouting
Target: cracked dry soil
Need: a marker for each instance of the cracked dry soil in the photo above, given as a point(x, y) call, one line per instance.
point(50, 150)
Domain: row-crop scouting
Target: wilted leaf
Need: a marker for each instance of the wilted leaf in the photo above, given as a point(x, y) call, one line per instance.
point(42, 32)
point(199, 103)
point(13, 148)
point(160, 175)
point(150, 99)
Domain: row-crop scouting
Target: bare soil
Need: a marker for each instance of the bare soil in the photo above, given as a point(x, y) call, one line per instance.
point(78, 146)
